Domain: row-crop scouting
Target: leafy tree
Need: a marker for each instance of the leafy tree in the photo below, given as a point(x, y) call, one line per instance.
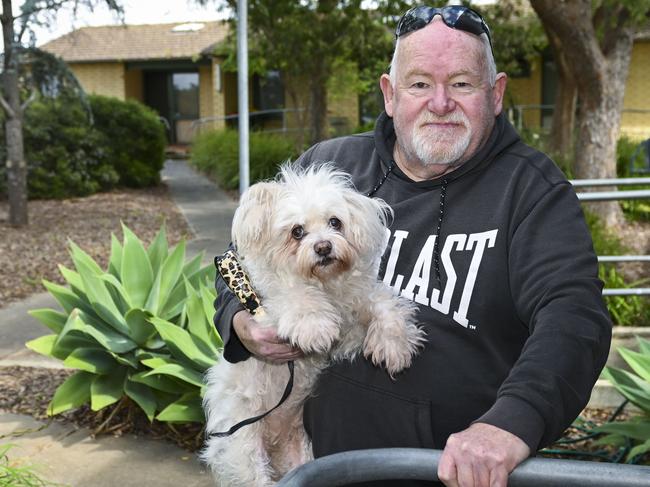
point(592, 44)
point(17, 82)
point(307, 40)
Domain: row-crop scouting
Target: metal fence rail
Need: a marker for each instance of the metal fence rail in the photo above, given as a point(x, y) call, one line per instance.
point(613, 196)
point(420, 464)
point(584, 183)
point(637, 194)
point(623, 258)
point(199, 123)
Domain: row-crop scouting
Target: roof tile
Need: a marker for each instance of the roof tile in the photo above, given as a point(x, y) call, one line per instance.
point(137, 42)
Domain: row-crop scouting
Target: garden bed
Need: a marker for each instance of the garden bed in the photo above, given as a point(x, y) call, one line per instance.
point(30, 254)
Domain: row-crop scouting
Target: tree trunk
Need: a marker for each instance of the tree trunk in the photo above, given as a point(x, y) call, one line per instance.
point(16, 165)
point(318, 108)
point(300, 116)
point(16, 173)
point(599, 122)
point(599, 68)
point(561, 139)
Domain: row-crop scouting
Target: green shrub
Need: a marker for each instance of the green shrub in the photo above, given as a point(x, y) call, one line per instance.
point(132, 138)
point(216, 153)
point(140, 330)
point(625, 310)
point(635, 387)
point(626, 150)
point(62, 150)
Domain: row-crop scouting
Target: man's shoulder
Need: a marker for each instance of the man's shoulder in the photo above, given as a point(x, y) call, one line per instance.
point(535, 163)
point(342, 147)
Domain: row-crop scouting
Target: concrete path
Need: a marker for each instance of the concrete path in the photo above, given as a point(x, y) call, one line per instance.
point(66, 455)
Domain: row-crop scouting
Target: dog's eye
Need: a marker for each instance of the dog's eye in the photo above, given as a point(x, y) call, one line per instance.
point(335, 223)
point(297, 232)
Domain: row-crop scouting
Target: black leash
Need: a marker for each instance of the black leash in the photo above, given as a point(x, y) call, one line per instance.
point(241, 424)
point(235, 277)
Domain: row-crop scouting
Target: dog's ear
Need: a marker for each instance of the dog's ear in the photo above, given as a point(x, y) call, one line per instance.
point(369, 218)
point(251, 224)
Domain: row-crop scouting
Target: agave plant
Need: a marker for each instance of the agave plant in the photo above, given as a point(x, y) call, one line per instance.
point(635, 387)
point(142, 329)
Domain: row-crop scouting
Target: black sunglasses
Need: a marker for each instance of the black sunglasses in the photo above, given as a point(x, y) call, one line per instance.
point(454, 16)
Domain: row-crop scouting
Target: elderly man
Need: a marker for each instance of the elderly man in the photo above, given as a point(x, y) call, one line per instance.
point(489, 240)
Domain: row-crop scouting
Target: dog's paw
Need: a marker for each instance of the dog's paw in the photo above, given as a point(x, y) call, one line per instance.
point(393, 346)
point(312, 333)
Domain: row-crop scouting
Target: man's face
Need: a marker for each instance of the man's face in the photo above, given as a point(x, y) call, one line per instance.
point(442, 104)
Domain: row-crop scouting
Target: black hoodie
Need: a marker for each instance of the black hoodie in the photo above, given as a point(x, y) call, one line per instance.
point(517, 331)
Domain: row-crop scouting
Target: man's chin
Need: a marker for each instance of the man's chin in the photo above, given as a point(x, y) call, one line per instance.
point(447, 155)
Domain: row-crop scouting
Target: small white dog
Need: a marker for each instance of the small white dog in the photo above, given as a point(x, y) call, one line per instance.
point(311, 246)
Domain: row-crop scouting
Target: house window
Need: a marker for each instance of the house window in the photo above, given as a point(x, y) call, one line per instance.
point(268, 94)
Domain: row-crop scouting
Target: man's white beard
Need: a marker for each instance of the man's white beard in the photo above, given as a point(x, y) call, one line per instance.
point(441, 147)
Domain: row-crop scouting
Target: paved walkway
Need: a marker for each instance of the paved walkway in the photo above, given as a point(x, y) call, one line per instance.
point(69, 456)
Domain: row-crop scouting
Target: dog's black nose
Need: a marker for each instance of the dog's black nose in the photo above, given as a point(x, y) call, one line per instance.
point(323, 248)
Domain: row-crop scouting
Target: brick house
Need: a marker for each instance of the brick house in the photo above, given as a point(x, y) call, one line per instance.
point(173, 68)
point(538, 90)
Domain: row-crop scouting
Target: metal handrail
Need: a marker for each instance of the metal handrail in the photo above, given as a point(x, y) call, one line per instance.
point(627, 291)
point(421, 464)
point(612, 196)
point(623, 258)
point(283, 111)
point(639, 194)
point(581, 183)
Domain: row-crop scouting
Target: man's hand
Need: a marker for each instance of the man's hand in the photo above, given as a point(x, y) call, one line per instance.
point(261, 341)
point(481, 456)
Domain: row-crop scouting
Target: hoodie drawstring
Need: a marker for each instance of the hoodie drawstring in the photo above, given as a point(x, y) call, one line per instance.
point(441, 215)
point(436, 246)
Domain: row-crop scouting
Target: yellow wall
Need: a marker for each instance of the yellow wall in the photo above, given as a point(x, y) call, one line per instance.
point(106, 79)
point(637, 94)
point(211, 101)
point(525, 91)
point(342, 111)
point(134, 84)
point(635, 121)
point(206, 90)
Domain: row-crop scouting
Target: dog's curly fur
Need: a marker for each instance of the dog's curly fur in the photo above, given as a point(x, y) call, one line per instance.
point(311, 246)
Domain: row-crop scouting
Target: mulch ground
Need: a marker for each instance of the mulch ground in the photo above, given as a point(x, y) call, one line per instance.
point(30, 254)
point(28, 390)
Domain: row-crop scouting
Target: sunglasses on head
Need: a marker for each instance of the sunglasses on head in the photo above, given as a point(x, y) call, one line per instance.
point(454, 16)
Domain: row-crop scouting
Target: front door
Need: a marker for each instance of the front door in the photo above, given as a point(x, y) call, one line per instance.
point(175, 96)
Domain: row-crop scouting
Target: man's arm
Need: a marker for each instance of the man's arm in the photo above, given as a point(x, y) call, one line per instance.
point(226, 307)
point(241, 335)
point(481, 455)
point(553, 276)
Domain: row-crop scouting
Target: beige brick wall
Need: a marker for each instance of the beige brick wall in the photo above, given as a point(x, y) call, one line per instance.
point(637, 94)
point(211, 101)
point(526, 91)
point(206, 90)
point(134, 84)
point(343, 112)
point(106, 79)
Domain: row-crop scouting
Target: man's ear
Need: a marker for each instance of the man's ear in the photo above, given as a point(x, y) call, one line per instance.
point(387, 90)
point(498, 92)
